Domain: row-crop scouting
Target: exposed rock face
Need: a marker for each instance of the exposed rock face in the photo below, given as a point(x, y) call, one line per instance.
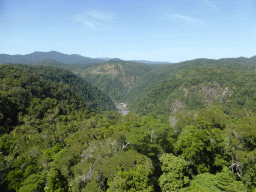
point(208, 93)
point(106, 69)
point(177, 106)
point(173, 120)
point(185, 92)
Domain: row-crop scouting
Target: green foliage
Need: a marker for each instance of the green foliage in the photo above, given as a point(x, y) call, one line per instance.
point(56, 182)
point(223, 181)
point(175, 174)
point(91, 94)
point(51, 140)
point(132, 180)
point(203, 147)
point(33, 183)
point(114, 78)
point(170, 89)
point(129, 171)
point(152, 136)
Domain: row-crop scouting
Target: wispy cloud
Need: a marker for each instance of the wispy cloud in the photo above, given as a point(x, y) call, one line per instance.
point(211, 5)
point(186, 18)
point(94, 19)
point(101, 16)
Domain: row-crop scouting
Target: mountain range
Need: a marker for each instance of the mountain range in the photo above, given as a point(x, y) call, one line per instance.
point(60, 57)
point(57, 56)
point(190, 127)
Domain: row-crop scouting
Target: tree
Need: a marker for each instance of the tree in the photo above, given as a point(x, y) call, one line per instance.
point(202, 146)
point(175, 174)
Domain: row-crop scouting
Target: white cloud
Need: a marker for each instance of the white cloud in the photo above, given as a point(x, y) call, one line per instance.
point(186, 18)
point(211, 5)
point(89, 24)
point(99, 15)
point(94, 19)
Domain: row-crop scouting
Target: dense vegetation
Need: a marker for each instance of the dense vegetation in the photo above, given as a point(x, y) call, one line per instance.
point(162, 73)
point(91, 94)
point(51, 138)
point(228, 86)
point(114, 77)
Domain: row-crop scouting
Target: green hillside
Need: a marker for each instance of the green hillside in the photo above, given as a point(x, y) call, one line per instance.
point(90, 94)
point(242, 60)
point(163, 80)
point(26, 95)
point(114, 77)
point(51, 140)
point(52, 63)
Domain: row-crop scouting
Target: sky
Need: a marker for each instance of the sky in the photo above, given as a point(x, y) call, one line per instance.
point(162, 30)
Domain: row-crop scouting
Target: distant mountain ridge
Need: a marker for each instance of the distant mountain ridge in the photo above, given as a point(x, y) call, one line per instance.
point(38, 56)
point(150, 62)
point(57, 56)
point(242, 60)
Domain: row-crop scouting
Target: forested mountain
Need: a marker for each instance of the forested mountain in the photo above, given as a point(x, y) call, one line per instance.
point(50, 140)
point(60, 57)
point(193, 130)
point(114, 77)
point(242, 60)
point(51, 63)
point(195, 86)
point(38, 56)
point(90, 94)
point(134, 83)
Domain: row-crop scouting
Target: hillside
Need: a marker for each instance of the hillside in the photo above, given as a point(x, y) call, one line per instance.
point(114, 77)
point(51, 63)
point(51, 139)
point(158, 75)
point(133, 83)
point(197, 88)
point(242, 60)
point(90, 94)
point(25, 94)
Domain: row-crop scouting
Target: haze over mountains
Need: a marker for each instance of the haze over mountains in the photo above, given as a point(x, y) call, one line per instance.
point(60, 57)
point(78, 59)
point(37, 56)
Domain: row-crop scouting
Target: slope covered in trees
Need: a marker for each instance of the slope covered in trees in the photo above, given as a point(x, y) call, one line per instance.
point(91, 94)
point(194, 80)
point(118, 79)
point(52, 140)
point(114, 77)
point(242, 60)
point(57, 143)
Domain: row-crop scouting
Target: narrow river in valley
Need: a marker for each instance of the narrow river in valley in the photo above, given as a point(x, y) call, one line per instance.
point(121, 107)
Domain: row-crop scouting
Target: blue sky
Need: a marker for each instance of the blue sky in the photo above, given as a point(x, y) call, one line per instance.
point(163, 30)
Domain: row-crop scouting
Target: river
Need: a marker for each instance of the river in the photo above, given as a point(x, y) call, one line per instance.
point(121, 107)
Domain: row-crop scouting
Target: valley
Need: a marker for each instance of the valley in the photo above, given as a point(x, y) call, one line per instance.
point(119, 125)
point(128, 96)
